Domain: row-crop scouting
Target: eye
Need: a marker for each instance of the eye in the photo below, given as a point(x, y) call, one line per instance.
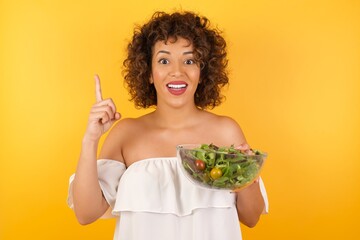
point(163, 61)
point(189, 61)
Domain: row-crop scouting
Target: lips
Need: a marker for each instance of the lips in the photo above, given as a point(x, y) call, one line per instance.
point(176, 87)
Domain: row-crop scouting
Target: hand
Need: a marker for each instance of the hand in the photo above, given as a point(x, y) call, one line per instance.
point(102, 115)
point(245, 148)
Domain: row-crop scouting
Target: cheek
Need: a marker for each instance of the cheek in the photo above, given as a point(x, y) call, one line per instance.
point(195, 75)
point(157, 75)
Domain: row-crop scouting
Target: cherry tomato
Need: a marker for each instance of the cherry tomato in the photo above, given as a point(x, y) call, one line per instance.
point(199, 164)
point(215, 173)
point(206, 177)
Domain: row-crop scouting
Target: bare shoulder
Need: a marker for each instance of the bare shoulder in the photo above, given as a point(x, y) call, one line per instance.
point(228, 130)
point(222, 121)
point(119, 133)
point(124, 124)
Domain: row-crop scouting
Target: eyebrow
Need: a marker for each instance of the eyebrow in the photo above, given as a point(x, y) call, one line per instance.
point(167, 52)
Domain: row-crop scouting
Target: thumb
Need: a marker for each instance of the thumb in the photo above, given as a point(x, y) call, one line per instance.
point(243, 146)
point(117, 116)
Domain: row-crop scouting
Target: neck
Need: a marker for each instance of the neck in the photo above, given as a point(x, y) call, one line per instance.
point(175, 118)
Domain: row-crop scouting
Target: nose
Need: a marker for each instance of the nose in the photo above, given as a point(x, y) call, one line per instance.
point(176, 70)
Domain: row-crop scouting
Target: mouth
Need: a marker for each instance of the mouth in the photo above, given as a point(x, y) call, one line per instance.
point(177, 88)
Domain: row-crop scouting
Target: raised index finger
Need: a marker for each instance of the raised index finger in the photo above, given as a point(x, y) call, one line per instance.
point(98, 89)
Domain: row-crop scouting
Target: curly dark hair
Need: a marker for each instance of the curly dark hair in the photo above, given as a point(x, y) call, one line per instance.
point(209, 53)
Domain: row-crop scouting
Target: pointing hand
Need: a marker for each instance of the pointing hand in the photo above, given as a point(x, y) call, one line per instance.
point(102, 115)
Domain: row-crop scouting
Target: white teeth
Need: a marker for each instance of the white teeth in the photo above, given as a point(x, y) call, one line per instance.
point(177, 86)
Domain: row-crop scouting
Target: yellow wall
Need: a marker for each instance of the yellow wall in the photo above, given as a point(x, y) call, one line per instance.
point(294, 89)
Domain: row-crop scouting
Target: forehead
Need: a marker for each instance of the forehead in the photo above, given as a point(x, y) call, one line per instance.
point(173, 43)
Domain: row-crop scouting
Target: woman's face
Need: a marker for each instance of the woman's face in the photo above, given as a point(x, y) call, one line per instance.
point(175, 74)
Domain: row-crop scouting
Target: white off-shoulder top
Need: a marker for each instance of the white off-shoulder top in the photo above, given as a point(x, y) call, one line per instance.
point(152, 199)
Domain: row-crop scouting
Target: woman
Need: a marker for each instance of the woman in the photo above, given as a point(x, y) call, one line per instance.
point(177, 64)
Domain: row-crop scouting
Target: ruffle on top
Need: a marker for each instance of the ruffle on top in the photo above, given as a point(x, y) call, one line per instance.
point(156, 185)
point(109, 175)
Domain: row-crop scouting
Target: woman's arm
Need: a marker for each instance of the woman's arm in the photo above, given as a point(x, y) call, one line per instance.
point(89, 203)
point(249, 201)
point(250, 204)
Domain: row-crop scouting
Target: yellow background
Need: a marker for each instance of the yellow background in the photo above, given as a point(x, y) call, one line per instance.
point(295, 90)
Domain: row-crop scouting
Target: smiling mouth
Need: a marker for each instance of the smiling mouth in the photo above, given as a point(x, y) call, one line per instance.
point(176, 86)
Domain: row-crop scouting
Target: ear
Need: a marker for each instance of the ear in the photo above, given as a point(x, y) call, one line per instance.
point(151, 80)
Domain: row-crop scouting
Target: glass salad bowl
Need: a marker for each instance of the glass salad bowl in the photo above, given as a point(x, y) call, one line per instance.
point(220, 168)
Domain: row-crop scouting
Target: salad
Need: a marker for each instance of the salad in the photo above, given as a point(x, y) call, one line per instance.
point(222, 167)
